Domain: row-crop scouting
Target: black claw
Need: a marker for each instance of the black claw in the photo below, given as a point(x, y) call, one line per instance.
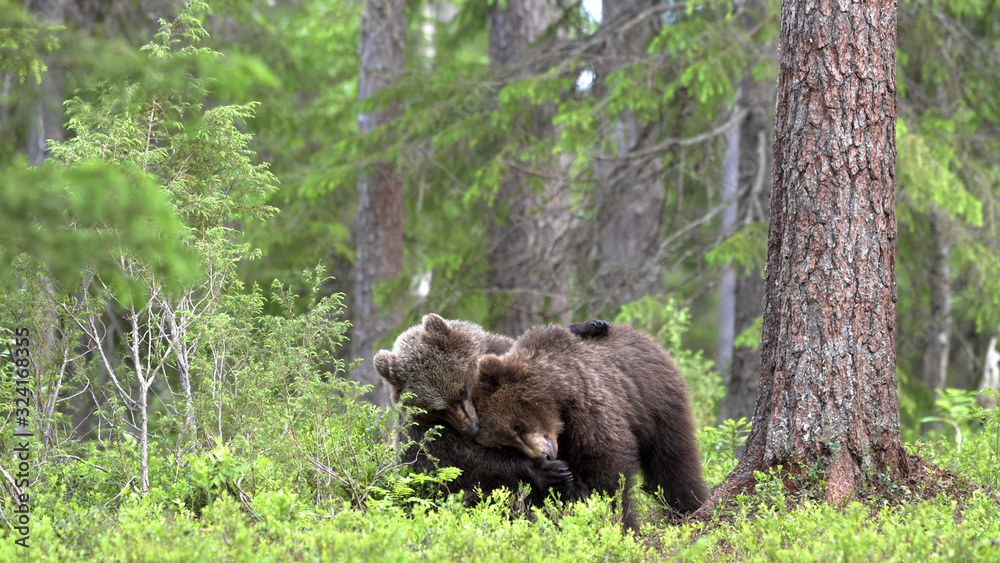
point(556, 474)
point(591, 329)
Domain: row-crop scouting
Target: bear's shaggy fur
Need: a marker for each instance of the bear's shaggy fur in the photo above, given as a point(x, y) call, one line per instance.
point(436, 362)
point(485, 470)
point(614, 405)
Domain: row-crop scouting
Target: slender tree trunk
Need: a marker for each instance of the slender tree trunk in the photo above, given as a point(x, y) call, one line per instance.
point(935, 360)
point(47, 120)
point(531, 225)
point(743, 375)
point(49, 366)
point(178, 323)
point(184, 372)
point(144, 380)
point(47, 125)
point(143, 435)
point(515, 24)
point(557, 225)
point(629, 195)
point(827, 395)
point(512, 255)
point(748, 288)
point(378, 229)
point(727, 282)
point(991, 375)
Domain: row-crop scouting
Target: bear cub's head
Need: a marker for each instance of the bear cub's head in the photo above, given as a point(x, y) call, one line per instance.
point(514, 411)
point(436, 362)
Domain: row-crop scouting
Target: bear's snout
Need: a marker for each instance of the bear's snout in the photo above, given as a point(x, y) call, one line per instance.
point(472, 428)
point(549, 453)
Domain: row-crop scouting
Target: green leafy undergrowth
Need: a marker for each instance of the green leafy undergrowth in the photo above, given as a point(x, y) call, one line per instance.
point(719, 446)
point(254, 512)
point(968, 442)
point(943, 528)
point(287, 527)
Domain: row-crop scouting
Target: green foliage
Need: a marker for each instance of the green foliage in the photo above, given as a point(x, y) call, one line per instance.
point(349, 443)
point(411, 488)
point(667, 322)
point(957, 407)
point(746, 249)
point(24, 40)
point(283, 525)
point(200, 157)
point(468, 124)
point(979, 300)
point(143, 153)
point(213, 472)
point(85, 218)
point(196, 166)
point(148, 530)
point(270, 455)
point(946, 141)
point(769, 493)
point(927, 177)
point(751, 335)
point(719, 446)
point(237, 402)
point(820, 532)
point(713, 61)
point(305, 54)
point(971, 423)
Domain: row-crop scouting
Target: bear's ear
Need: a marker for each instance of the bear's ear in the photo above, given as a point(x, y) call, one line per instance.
point(384, 362)
point(491, 372)
point(433, 324)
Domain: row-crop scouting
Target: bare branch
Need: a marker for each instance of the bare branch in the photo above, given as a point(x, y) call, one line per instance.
point(670, 143)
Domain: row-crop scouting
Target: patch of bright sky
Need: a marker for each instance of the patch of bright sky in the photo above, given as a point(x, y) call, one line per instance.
point(594, 9)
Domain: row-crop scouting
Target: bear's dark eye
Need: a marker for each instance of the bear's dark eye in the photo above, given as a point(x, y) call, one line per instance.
point(517, 429)
point(464, 394)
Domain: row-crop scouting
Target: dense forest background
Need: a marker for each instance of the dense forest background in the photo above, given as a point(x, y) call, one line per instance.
point(212, 215)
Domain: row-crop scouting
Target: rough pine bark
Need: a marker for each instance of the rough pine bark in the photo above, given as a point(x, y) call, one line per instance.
point(378, 230)
point(827, 394)
point(528, 239)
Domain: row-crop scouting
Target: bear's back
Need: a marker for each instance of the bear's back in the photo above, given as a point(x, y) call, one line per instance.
point(627, 368)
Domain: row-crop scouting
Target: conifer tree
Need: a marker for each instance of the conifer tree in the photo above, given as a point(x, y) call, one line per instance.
point(378, 230)
point(827, 395)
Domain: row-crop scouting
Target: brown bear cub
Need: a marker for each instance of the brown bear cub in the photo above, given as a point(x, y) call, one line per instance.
point(437, 362)
point(614, 405)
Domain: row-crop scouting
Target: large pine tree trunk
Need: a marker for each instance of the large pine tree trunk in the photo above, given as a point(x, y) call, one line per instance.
point(530, 232)
point(378, 228)
point(827, 395)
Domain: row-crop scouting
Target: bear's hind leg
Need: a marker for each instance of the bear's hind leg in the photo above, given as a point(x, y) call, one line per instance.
point(672, 466)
